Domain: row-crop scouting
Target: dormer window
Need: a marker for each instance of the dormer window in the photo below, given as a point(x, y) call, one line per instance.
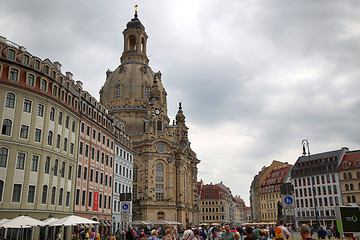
point(47, 69)
point(54, 75)
point(26, 59)
point(37, 64)
point(11, 54)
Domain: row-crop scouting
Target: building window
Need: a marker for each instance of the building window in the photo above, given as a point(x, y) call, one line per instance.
point(77, 197)
point(27, 105)
point(34, 163)
point(118, 92)
point(90, 198)
point(61, 196)
point(58, 143)
point(37, 64)
point(37, 137)
point(1, 189)
point(43, 85)
point(146, 91)
point(30, 80)
point(60, 118)
point(159, 192)
point(53, 195)
point(24, 131)
point(14, 73)
point(56, 166)
point(73, 127)
point(40, 111)
point(44, 194)
point(47, 165)
point(11, 54)
point(3, 156)
point(70, 173)
point(65, 144)
point(63, 166)
point(26, 59)
point(16, 193)
point(67, 198)
point(10, 100)
point(54, 90)
point(31, 194)
point(67, 120)
point(83, 200)
point(20, 162)
point(159, 172)
point(72, 146)
point(52, 113)
point(50, 138)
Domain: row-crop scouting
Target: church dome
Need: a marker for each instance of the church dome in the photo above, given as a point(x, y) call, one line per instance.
point(135, 23)
point(130, 86)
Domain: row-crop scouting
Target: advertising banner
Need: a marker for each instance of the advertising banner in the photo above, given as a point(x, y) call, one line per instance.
point(96, 201)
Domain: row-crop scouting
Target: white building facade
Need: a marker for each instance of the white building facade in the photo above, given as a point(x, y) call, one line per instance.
point(123, 183)
point(317, 175)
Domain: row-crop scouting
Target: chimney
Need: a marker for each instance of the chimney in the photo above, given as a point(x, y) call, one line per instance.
point(69, 75)
point(79, 84)
point(58, 66)
point(2, 39)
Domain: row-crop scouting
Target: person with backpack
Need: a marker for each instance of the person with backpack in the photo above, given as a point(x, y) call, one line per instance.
point(196, 235)
point(188, 234)
point(281, 233)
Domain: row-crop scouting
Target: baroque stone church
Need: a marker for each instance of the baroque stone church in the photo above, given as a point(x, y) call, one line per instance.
point(165, 166)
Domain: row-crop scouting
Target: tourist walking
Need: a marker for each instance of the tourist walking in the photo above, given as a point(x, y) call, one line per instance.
point(227, 235)
point(305, 232)
point(188, 234)
point(154, 235)
point(281, 233)
point(250, 235)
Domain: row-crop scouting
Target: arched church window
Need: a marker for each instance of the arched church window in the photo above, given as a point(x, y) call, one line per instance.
point(142, 44)
point(146, 91)
point(132, 43)
point(118, 91)
point(159, 125)
point(161, 215)
point(159, 172)
point(135, 173)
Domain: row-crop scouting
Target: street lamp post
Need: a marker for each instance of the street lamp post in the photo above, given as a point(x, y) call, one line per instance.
point(305, 145)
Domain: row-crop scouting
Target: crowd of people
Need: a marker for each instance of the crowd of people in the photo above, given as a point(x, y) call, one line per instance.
point(225, 232)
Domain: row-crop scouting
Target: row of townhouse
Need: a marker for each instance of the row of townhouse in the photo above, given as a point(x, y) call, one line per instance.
point(321, 181)
point(219, 206)
point(60, 151)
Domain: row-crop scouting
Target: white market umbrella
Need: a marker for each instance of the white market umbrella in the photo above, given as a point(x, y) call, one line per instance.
point(21, 222)
point(139, 222)
point(49, 221)
point(4, 220)
point(72, 220)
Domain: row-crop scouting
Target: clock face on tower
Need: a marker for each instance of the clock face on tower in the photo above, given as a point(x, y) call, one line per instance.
point(157, 111)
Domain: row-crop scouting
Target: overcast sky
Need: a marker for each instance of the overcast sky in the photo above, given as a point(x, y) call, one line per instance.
point(255, 77)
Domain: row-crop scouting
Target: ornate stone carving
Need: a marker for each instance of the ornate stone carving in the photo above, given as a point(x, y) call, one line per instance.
point(143, 69)
point(122, 69)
